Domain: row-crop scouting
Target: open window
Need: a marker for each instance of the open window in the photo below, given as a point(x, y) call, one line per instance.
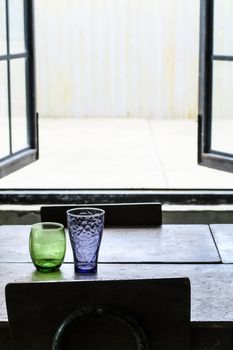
point(13, 156)
point(215, 146)
point(18, 121)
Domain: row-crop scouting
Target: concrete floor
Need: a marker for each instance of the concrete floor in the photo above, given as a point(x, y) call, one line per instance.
point(117, 153)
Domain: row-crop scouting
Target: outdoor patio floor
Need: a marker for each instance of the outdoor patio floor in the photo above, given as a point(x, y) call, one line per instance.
point(117, 153)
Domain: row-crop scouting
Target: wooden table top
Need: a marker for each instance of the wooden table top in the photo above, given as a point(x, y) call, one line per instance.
point(167, 251)
point(223, 236)
point(165, 244)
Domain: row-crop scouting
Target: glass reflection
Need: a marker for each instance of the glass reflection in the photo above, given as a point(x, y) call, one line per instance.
point(222, 107)
point(3, 47)
point(49, 276)
point(18, 104)
point(4, 129)
point(223, 27)
point(16, 26)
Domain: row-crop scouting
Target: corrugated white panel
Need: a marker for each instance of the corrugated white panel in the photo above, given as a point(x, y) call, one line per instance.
point(117, 58)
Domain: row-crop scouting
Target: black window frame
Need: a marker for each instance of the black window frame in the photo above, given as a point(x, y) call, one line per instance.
point(206, 155)
point(16, 160)
point(76, 196)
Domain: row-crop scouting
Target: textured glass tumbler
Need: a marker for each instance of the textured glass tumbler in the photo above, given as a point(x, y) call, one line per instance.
point(47, 245)
point(85, 226)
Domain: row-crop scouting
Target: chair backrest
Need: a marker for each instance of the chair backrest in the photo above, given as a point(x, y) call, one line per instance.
point(111, 314)
point(117, 214)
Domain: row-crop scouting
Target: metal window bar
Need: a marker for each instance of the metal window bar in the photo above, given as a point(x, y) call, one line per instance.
point(13, 56)
point(32, 123)
point(222, 58)
point(8, 76)
point(209, 71)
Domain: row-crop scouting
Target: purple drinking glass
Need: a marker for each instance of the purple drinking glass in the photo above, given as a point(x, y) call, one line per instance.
point(85, 226)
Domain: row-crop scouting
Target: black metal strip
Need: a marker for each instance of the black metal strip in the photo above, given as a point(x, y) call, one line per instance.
point(13, 56)
point(222, 154)
point(32, 120)
point(26, 72)
point(209, 70)
point(205, 78)
point(222, 58)
point(8, 78)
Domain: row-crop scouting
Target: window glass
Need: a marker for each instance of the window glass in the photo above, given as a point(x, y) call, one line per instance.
point(223, 27)
point(4, 121)
point(18, 104)
point(222, 107)
point(3, 47)
point(16, 26)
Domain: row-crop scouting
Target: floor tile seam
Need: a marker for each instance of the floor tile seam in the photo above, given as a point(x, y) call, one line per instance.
point(157, 152)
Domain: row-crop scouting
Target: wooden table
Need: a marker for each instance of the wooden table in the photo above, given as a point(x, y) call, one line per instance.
point(201, 252)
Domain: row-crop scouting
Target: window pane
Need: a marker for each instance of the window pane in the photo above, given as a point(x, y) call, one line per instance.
point(223, 27)
point(4, 122)
point(2, 27)
point(16, 26)
point(18, 105)
point(222, 107)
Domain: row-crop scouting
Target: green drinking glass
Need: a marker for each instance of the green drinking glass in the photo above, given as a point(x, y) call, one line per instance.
point(47, 245)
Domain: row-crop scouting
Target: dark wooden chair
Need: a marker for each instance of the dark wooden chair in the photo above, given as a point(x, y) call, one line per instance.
point(117, 214)
point(124, 314)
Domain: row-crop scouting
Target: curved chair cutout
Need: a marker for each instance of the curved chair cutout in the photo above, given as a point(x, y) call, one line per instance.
point(100, 310)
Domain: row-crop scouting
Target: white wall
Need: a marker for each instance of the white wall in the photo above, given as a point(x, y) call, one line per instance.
point(117, 58)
